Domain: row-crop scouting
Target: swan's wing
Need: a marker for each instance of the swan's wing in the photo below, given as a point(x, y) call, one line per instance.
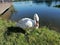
point(21, 24)
point(25, 23)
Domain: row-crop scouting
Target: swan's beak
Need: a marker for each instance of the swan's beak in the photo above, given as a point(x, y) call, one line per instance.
point(37, 24)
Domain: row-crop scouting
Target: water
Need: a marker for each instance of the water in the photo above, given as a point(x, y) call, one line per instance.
point(48, 14)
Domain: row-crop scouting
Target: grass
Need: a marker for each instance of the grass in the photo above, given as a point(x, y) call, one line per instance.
point(41, 36)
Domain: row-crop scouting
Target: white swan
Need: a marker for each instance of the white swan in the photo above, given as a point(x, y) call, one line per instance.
point(26, 23)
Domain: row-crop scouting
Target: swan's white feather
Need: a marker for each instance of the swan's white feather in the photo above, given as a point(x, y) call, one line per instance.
point(26, 23)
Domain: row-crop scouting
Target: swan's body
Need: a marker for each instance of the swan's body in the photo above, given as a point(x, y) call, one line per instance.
point(28, 23)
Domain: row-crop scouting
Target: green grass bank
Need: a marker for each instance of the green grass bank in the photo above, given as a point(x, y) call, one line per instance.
point(41, 36)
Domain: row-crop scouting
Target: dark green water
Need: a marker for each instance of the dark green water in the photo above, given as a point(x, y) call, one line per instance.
point(49, 15)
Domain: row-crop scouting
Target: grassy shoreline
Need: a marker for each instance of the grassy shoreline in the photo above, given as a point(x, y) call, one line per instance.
point(41, 36)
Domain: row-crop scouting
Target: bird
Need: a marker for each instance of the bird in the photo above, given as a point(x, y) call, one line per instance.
point(28, 23)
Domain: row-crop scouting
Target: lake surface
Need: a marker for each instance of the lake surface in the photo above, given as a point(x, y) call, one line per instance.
point(47, 12)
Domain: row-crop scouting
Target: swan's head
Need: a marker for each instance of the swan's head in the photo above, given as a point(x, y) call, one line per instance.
point(36, 18)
